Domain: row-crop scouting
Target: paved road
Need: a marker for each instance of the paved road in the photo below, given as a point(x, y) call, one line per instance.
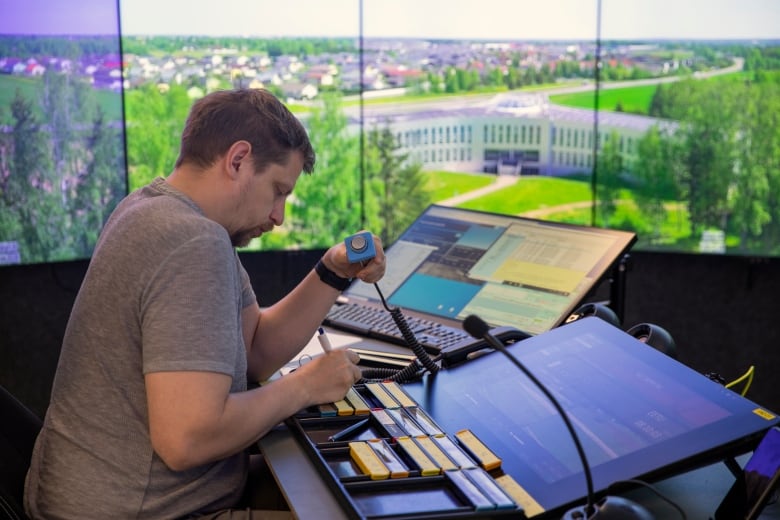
point(454, 103)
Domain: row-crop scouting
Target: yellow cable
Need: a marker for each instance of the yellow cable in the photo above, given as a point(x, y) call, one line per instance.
point(747, 376)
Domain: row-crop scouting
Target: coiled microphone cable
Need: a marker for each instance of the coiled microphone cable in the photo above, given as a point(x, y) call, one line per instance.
point(416, 368)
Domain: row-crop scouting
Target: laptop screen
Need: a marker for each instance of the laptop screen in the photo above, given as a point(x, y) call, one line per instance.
point(512, 271)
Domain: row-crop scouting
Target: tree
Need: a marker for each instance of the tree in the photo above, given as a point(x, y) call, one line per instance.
point(754, 200)
point(451, 81)
point(656, 172)
point(709, 135)
point(153, 127)
point(393, 183)
point(102, 187)
point(326, 205)
point(607, 179)
point(30, 192)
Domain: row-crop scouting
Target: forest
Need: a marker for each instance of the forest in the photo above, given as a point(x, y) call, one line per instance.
point(62, 169)
point(720, 166)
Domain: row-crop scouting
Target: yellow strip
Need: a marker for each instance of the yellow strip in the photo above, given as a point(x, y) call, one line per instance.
point(343, 407)
point(435, 453)
point(368, 461)
point(396, 391)
point(521, 497)
point(763, 413)
point(357, 402)
point(384, 397)
point(487, 459)
point(426, 465)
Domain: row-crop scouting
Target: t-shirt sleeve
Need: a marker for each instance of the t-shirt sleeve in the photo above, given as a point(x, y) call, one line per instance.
point(248, 296)
point(191, 310)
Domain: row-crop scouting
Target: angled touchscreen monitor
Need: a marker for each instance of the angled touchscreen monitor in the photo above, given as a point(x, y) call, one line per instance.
point(511, 271)
point(638, 413)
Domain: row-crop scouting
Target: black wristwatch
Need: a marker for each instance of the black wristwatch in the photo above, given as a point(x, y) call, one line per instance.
point(331, 278)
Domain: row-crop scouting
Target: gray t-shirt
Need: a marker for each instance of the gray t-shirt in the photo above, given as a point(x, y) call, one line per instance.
point(164, 292)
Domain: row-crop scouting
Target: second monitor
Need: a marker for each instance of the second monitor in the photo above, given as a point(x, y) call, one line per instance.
point(511, 271)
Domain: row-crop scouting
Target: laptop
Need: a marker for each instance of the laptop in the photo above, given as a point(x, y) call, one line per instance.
point(513, 272)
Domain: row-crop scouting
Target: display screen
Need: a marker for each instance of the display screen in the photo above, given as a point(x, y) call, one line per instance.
point(62, 160)
point(511, 271)
point(637, 412)
point(758, 483)
point(605, 113)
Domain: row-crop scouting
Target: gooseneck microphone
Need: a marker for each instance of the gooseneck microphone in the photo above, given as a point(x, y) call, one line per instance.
point(609, 508)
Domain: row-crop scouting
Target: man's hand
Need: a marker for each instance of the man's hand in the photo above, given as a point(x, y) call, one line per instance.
point(328, 377)
point(370, 271)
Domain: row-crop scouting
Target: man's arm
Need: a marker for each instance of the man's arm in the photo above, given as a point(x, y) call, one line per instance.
point(275, 335)
point(194, 419)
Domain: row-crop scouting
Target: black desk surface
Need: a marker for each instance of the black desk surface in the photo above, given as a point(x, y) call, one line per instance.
point(698, 492)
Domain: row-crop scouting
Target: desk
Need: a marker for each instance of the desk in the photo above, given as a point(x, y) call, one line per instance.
point(698, 492)
point(304, 489)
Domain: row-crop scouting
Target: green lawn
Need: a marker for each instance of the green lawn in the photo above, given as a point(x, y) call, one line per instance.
point(444, 185)
point(111, 102)
point(563, 200)
point(532, 193)
point(635, 100)
point(529, 193)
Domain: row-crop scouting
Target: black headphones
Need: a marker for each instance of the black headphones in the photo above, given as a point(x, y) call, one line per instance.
point(655, 336)
point(598, 310)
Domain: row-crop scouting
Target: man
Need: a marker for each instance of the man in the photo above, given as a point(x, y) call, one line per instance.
point(150, 416)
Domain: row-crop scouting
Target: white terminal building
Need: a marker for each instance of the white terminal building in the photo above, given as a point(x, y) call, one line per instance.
point(510, 134)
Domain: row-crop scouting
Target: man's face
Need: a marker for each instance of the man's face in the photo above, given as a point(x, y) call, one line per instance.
point(260, 205)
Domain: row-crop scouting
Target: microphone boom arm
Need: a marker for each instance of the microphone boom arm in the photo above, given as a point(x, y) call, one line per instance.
point(474, 327)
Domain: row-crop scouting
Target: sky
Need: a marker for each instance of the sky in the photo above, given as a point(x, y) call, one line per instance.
point(58, 17)
point(454, 19)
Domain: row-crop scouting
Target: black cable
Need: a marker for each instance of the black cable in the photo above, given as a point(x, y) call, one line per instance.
point(416, 368)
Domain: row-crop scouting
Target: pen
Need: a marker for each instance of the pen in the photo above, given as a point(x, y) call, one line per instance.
point(324, 341)
point(346, 432)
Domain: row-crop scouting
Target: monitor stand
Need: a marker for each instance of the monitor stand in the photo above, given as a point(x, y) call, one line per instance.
point(617, 286)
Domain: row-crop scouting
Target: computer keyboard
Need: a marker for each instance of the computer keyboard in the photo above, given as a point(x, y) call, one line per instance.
point(378, 324)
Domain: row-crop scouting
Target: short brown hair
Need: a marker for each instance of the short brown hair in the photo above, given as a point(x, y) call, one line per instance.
point(221, 118)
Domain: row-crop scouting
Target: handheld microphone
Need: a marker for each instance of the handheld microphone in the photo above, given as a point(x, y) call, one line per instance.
point(608, 508)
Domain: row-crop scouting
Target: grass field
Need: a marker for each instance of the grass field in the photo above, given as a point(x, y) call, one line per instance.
point(531, 194)
point(443, 185)
point(111, 102)
point(562, 200)
point(635, 100)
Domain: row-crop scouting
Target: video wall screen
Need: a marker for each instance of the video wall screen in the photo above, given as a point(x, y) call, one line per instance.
point(62, 160)
point(705, 176)
point(649, 115)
